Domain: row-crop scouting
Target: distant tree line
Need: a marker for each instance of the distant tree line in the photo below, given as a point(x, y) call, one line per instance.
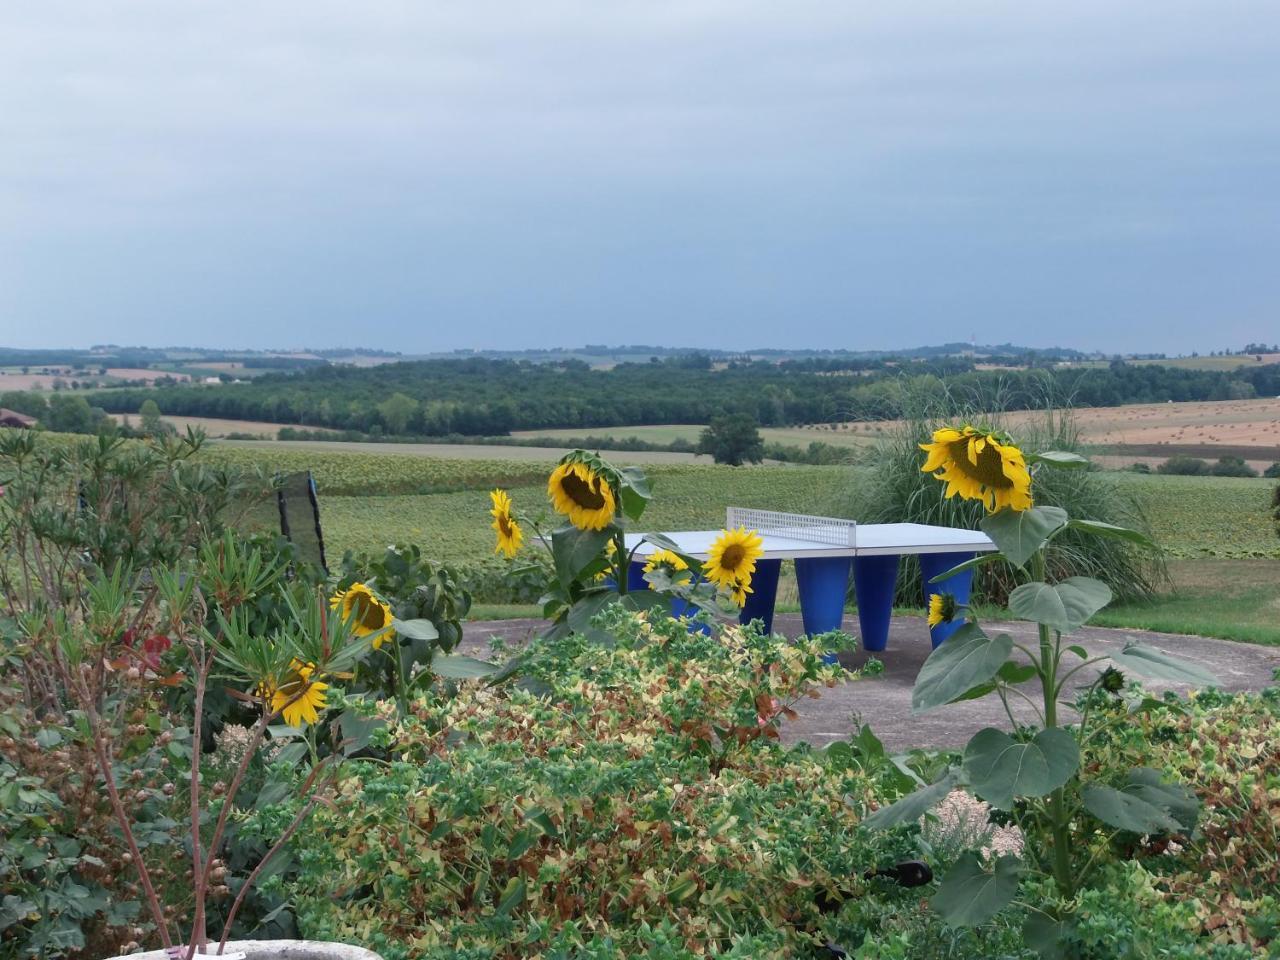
point(479, 396)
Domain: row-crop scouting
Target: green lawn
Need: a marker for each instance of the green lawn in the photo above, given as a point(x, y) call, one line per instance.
point(1225, 555)
point(1232, 599)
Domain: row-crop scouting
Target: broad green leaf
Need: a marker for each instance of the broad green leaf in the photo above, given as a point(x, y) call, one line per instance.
point(357, 731)
point(584, 611)
point(1059, 458)
point(1126, 811)
point(965, 659)
point(636, 491)
point(416, 629)
point(573, 549)
point(513, 895)
point(969, 895)
point(913, 806)
point(1014, 673)
point(971, 564)
point(1178, 799)
point(1045, 936)
point(1001, 769)
point(48, 737)
point(1111, 530)
point(1019, 534)
point(1010, 672)
point(455, 666)
point(1062, 606)
point(1158, 665)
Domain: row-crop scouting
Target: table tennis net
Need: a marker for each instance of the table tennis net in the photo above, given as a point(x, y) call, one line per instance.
point(797, 526)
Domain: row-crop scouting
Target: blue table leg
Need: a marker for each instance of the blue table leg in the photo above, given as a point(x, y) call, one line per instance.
point(764, 591)
point(635, 577)
point(823, 584)
point(932, 564)
point(874, 580)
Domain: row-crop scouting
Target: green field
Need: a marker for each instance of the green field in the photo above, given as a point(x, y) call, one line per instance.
point(366, 498)
point(1225, 555)
point(455, 525)
point(843, 436)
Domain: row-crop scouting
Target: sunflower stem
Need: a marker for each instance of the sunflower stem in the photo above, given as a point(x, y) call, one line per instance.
point(402, 692)
point(1062, 873)
point(621, 561)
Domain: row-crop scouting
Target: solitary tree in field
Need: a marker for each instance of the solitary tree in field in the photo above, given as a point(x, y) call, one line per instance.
point(149, 413)
point(732, 439)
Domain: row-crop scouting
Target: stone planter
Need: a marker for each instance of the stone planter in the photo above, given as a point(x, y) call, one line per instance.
point(270, 950)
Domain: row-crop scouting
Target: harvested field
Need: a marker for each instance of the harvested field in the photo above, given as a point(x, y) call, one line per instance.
point(214, 426)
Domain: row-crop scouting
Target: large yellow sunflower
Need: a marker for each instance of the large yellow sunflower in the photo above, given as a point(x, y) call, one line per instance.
point(510, 536)
point(731, 561)
point(979, 466)
point(300, 697)
point(942, 609)
point(360, 607)
point(582, 495)
point(666, 559)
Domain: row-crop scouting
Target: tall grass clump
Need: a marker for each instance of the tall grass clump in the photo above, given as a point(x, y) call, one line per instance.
point(892, 489)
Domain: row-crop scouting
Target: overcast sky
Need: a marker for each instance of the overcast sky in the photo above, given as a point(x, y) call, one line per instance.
point(421, 176)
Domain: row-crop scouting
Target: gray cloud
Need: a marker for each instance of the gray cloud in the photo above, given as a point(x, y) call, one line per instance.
point(424, 175)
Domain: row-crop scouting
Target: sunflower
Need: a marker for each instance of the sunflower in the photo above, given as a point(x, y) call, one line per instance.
point(582, 495)
point(731, 561)
point(667, 560)
point(942, 609)
point(300, 698)
point(979, 466)
point(362, 609)
point(510, 536)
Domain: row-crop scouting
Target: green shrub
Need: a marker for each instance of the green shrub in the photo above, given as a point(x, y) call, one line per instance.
point(1184, 466)
point(1232, 467)
point(639, 796)
point(896, 490)
point(1272, 472)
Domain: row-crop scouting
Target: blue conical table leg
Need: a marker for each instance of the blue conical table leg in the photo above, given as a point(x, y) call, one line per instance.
point(959, 585)
point(764, 592)
point(823, 584)
point(874, 580)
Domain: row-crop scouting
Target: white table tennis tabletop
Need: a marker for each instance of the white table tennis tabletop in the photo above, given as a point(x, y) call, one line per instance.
point(870, 539)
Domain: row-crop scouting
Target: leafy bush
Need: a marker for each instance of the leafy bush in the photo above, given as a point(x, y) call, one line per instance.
point(1232, 467)
point(640, 798)
point(1229, 745)
point(1272, 472)
point(1184, 466)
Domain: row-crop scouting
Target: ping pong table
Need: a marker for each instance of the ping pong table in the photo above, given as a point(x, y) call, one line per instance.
point(826, 551)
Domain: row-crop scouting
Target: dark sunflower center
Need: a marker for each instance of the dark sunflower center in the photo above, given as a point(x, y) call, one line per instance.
point(733, 556)
point(370, 614)
point(504, 524)
point(988, 471)
point(584, 494)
